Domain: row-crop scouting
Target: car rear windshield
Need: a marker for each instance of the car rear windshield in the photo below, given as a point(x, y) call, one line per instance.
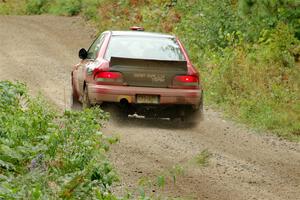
point(142, 47)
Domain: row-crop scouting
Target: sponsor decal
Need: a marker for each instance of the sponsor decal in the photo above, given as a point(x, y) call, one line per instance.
point(153, 77)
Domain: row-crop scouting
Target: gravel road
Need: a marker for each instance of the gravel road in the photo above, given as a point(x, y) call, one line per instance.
point(243, 164)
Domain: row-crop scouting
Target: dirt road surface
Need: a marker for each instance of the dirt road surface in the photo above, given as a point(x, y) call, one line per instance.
point(40, 51)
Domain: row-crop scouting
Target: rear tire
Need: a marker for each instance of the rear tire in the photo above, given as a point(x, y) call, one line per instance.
point(193, 116)
point(74, 102)
point(85, 99)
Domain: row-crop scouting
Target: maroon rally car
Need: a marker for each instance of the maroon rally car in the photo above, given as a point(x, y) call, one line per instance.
point(147, 73)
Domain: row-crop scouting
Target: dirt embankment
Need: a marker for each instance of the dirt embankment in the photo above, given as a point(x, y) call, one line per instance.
point(40, 51)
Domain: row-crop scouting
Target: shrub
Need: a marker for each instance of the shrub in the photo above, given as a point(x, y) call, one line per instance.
point(44, 155)
point(37, 6)
point(66, 7)
point(259, 83)
point(4, 9)
point(12, 7)
point(90, 9)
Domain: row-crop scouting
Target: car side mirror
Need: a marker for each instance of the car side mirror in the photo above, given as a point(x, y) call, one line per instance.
point(83, 54)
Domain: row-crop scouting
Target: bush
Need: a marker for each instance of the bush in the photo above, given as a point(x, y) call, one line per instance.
point(37, 7)
point(4, 9)
point(90, 9)
point(66, 7)
point(259, 83)
point(44, 155)
point(12, 7)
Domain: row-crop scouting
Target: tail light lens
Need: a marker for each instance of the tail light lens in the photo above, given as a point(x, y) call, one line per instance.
point(109, 78)
point(188, 82)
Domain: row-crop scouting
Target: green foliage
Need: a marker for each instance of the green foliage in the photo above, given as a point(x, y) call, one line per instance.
point(90, 9)
point(37, 6)
point(212, 21)
point(44, 155)
point(66, 7)
point(202, 159)
point(12, 7)
point(4, 9)
point(176, 171)
point(259, 84)
point(148, 185)
point(161, 181)
point(267, 13)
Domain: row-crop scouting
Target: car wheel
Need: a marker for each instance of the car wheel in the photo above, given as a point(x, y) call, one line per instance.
point(85, 99)
point(74, 102)
point(193, 116)
point(200, 109)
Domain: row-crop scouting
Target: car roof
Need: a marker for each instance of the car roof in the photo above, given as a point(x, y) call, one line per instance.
point(141, 33)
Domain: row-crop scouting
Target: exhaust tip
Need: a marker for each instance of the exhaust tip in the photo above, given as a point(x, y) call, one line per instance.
point(124, 102)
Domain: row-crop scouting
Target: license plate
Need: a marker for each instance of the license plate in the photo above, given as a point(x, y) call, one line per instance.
point(148, 99)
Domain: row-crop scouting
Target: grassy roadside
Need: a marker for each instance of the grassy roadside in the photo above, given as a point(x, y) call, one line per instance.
point(46, 155)
point(247, 52)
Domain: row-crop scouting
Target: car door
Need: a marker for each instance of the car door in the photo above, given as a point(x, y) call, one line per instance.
point(82, 67)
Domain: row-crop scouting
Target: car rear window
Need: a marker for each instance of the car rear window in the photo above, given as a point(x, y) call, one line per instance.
point(141, 47)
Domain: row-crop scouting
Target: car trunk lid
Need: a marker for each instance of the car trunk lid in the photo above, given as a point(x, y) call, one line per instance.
point(146, 72)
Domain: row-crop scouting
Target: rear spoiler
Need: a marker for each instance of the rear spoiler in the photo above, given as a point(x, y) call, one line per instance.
point(119, 62)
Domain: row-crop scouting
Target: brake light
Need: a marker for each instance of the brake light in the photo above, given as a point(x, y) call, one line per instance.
point(186, 82)
point(137, 28)
point(112, 78)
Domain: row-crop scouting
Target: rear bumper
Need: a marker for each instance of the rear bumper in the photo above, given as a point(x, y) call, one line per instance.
point(109, 93)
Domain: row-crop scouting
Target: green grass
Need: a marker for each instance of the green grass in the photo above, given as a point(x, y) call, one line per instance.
point(202, 159)
point(12, 7)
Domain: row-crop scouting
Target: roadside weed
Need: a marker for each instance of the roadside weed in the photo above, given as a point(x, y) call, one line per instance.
point(202, 159)
point(46, 155)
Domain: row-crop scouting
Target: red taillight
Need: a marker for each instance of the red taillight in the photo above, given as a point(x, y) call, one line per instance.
point(109, 78)
point(187, 79)
point(137, 28)
point(186, 82)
